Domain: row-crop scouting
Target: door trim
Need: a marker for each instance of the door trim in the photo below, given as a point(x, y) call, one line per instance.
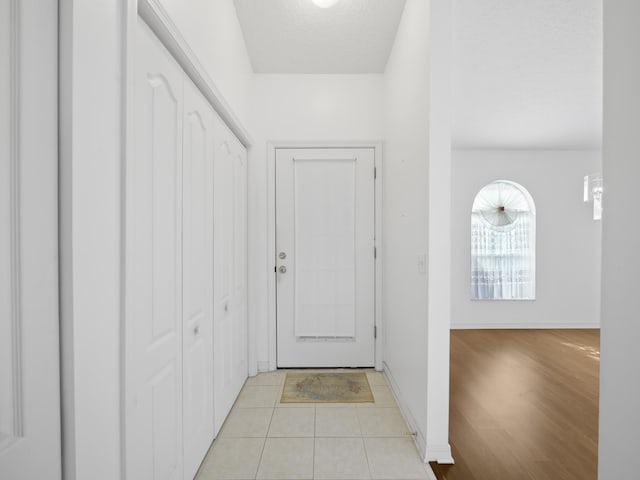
point(272, 146)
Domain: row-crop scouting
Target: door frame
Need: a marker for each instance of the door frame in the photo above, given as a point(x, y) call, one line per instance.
point(272, 146)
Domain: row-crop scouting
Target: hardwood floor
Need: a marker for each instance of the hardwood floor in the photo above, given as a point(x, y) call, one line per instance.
point(524, 405)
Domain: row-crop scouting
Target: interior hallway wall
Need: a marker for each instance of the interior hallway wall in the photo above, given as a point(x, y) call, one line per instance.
point(299, 108)
point(405, 217)
point(417, 190)
point(568, 243)
point(620, 333)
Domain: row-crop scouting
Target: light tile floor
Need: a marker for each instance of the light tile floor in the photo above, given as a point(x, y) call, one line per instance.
point(265, 439)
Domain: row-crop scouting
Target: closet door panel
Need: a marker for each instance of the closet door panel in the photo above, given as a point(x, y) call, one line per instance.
point(230, 319)
point(197, 278)
point(154, 266)
point(239, 291)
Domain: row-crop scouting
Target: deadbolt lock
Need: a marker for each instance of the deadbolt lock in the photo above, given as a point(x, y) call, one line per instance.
point(282, 255)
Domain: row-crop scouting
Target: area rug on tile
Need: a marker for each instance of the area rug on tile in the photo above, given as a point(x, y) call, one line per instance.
point(342, 387)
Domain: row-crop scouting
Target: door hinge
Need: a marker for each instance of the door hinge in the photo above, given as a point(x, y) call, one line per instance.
point(375, 331)
point(375, 173)
point(375, 252)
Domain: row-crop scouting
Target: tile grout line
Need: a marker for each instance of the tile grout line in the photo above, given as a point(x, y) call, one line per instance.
point(364, 446)
point(313, 456)
point(264, 445)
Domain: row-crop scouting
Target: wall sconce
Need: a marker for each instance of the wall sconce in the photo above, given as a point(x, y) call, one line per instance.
point(593, 193)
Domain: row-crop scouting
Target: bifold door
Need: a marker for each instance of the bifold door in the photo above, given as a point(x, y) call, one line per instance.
point(325, 257)
point(154, 268)
point(197, 277)
point(230, 286)
point(185, 271)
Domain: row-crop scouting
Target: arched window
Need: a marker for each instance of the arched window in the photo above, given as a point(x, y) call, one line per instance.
point(503, 243)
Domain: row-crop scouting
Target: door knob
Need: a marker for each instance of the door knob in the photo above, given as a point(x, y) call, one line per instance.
point(282, 269)
point(282, 255)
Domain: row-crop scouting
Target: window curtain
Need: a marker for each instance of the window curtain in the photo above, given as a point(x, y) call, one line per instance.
point(503, 258)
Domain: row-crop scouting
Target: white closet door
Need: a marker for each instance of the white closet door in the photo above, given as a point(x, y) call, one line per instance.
point(197, 258)
point(230, 315)
point(29, 341)
point(154, 266)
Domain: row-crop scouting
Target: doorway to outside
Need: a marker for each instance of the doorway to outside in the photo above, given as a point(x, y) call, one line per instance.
point(325, 257)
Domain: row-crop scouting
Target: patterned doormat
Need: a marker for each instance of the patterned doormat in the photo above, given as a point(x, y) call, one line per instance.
point(342, 387)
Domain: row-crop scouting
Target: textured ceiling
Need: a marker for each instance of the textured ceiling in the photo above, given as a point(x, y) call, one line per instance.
point(295, 36)
point(527, 73)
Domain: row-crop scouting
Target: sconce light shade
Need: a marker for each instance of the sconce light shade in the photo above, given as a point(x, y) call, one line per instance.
point(325, 3)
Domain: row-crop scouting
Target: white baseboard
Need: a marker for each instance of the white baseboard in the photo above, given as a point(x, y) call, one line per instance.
point(419, 437)
point(522, 326)
point(264, 367)
point(437, 453)
point(440, 454)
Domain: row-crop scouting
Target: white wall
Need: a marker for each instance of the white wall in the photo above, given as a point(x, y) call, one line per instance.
point(212, 30)
point(417, 139)
point(298, 108)
point(438, 257)
point(318, 107)
point(527, 74)
point(90, 187)
point(620, 332)
point(568, 239)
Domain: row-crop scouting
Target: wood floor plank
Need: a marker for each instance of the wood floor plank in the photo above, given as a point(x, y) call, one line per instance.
point(524, 405)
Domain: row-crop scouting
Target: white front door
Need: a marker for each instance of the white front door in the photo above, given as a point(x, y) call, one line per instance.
point(325, 229)
point(197, 289)
point(230, 285)
point(29, 339)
